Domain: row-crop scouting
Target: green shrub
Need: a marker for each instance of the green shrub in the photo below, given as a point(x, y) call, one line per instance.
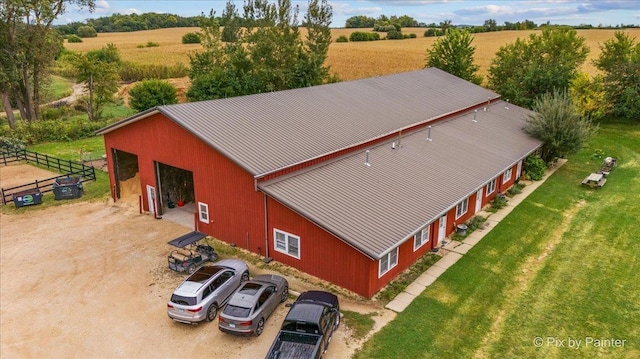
point(151, 93)
point(86, 31)
point(364, 36)
point(384, 28)
point(412, 35)
point(534, 167)
point(74, 38)
point(500, 201)
point(515, 189)
point(474, 223)
point(394, 35)
point(56, 130)
point(152, 44)
point(342, 38)
point(191, 38)
point(433, 32)
point(140, 46)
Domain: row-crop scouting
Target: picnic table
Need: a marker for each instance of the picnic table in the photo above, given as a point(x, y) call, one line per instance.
point(594, 180)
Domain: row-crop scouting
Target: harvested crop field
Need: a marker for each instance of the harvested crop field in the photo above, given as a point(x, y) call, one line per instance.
point(350, 60)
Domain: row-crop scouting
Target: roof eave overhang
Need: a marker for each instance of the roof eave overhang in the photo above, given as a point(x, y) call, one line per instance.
point(129, 120)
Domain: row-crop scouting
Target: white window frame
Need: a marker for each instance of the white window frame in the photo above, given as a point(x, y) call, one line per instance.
point(462, 208)
point(203, 212)
point(288, 237)
point(506, 176)
point(391, 260)
point(421, 238)
point(491, 187)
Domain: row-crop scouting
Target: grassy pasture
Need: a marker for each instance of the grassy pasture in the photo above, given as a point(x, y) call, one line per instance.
point(351, 60)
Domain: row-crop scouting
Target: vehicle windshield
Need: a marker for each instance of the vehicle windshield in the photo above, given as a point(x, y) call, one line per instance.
point(302, 327)
point(235, 311)
point(178, 299)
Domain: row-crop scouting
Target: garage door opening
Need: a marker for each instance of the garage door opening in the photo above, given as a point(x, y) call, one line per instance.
point(126, 172)
point(177, 195)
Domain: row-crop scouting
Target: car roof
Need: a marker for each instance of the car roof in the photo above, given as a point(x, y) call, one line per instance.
point(247, 295)
point(305, 312)
point(188, 289)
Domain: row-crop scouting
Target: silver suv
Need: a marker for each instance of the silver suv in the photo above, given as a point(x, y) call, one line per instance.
point(207, 289)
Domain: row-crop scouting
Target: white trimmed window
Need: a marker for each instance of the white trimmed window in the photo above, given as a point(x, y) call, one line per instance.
point(462, 207)
point(506, 176)
point(388, 261)
point(491, 187)
point(286, 243)
point(420, 238)
point(203, 212)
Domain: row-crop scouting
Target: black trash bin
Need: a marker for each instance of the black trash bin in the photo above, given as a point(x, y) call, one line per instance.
point(67, 188)
point(27, 198)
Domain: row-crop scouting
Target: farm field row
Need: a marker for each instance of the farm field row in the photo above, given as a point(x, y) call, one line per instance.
point(347, 60)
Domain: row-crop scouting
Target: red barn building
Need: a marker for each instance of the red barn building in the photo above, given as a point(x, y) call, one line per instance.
point(351, 182)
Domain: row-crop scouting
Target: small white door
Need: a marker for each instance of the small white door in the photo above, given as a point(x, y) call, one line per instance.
point(519, 170)
point(442, 228)
point(479, 200)
point(151, 198)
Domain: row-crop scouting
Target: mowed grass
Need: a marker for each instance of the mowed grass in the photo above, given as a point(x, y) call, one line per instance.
point(351, 60)
point(563, 265)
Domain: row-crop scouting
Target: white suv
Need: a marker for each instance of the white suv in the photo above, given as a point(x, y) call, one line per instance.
point(207, 289)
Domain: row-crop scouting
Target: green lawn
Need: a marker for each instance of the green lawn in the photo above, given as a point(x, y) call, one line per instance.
point(562, 267)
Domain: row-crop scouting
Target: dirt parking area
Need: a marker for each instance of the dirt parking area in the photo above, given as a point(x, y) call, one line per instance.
point(90, 280)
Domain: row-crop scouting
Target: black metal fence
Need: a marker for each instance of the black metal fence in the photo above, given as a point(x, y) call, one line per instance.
point(68, 167)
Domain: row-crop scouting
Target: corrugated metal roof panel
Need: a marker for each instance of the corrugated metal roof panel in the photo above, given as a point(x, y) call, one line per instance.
point(374, 208)
point(269, 131)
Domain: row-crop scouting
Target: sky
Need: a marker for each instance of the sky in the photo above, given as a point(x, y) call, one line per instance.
point(460, 12)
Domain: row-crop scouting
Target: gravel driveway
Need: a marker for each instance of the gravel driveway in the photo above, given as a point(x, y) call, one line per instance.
point(90, 280)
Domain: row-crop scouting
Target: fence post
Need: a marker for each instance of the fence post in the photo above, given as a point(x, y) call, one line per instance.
point(37, 186)
point(4, 202)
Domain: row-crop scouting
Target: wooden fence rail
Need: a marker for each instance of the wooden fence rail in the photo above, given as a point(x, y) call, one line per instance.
point(68, 167)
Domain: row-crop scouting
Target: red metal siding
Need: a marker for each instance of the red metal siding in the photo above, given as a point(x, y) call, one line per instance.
point(503, 187)
point(235, 208)
point(321, 253)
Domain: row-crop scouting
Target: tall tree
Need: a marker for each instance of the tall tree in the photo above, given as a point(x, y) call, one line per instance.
point(558, 124)
point(619, 60)
point(231, 22)
point(523, 70)
point(269, 54)
point(30, 45)
point(98, 69)
point(453, 53)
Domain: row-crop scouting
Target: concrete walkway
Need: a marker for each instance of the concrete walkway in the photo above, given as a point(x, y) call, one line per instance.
point(454, 250)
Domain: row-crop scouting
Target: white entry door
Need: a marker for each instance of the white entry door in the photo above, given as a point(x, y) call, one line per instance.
point(442, 228)
point(151, 198)
point(479, 200)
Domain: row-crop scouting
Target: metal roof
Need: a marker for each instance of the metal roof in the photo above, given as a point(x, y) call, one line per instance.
point(375, 208)
point(266, 132)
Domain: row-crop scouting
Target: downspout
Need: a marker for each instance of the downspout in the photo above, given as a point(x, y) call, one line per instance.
point(266, 230)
